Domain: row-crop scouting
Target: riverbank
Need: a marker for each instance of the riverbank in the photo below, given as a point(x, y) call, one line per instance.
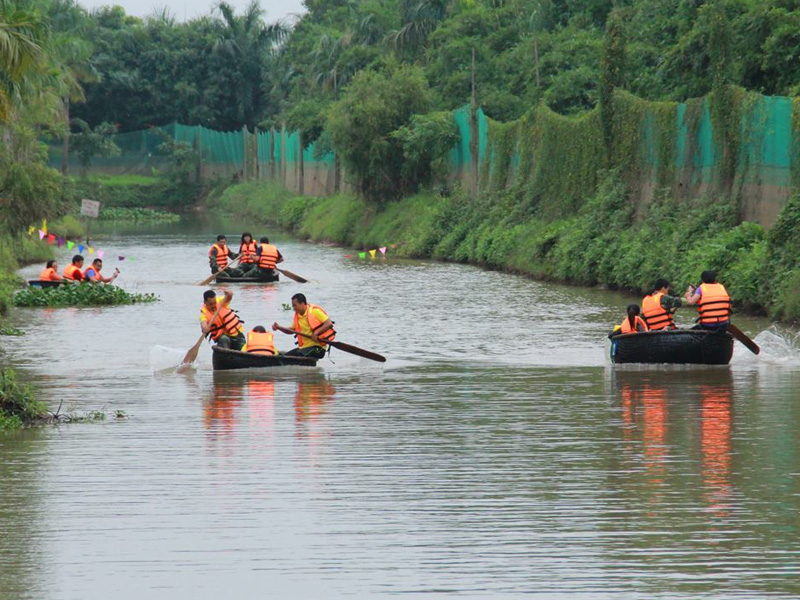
point(604, 243)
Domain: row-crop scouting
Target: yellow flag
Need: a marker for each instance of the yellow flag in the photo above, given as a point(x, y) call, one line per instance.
point(44, 225)
point(91, 250)
point(372, 253)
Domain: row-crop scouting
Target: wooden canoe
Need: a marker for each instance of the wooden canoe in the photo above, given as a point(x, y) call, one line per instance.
point(223, 359)
point(260, 279)
point(679, 346)
point(38, 283)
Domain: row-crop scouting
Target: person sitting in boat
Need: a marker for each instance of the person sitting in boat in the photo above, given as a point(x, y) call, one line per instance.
point(713, 303)
point(226, 329)
point(632, 323)
point(73, 271)
point(260, 341)
point(658, 307)
point(50, 272)
point(314, 322)
point(219, 255)
point(92, 273)
point(268, 257)
point(248, 251)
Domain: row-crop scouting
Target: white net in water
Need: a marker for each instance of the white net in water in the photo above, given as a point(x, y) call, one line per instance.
point(165, 359)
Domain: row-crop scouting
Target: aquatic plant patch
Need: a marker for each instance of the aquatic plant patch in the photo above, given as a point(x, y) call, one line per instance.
point(79, 295)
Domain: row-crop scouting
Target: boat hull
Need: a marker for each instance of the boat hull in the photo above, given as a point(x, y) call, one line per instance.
point(223, 359)
point(680, 346)
point(37, 283)
point(225, 279)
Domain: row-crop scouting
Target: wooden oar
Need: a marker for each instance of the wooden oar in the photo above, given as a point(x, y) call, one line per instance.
point(742, 337)
point(341, 346)
point(214, 275)
point(191, 355)
point(291, 275)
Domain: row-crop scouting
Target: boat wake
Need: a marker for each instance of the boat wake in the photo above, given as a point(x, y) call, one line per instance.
point(163, 359)
point(779, 346)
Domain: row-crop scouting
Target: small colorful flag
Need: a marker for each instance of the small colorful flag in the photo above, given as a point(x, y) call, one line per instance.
point(393, 246)
point(70, 245)
point(100, 253)
point(61, 242)
point(50, 238)
point(372, 253)
point(31, 229)
point(348, 256)
point(120, 258)
point(383, 250)
point(44, 225)
point(362, 255)
point(42, 234)
point(80, 249)
point(91, 251)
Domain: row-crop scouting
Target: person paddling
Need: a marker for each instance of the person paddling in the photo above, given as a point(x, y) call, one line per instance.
point(73, 271)
point(313, 321)
point(658, 307)
point(92, 273)
point(50, 272)
point(219, 255)
point(268, 257)
point(226, 329)
point(713, 303)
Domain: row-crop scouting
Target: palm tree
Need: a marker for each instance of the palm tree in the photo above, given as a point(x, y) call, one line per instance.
point(21, 38)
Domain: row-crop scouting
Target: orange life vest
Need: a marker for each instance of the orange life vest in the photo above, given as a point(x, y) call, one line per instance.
point(248, 252)
point(314, 324)
point(95, 277)
point(72, 272)
point(48, 275)
point(714, 305)
point(654, 314)
point(269, 256)
point(227, 322)
point(260, 343)
point(625, 327)
point(222, 255)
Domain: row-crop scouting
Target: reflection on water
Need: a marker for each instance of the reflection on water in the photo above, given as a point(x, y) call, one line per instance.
point(458, 468)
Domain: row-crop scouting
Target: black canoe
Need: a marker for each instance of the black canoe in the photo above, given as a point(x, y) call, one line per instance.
point(680, 346)
point(38, 283)
point(260, 279)
point(224, 359)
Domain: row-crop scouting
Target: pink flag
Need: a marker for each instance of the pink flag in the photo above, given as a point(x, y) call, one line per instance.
point(383, 250)
point(100, 254)
point(41, 234)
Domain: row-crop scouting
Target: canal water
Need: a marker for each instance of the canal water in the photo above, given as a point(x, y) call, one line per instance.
point(496, 454)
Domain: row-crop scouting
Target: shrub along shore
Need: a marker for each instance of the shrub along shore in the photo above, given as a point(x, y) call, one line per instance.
point(603, 243)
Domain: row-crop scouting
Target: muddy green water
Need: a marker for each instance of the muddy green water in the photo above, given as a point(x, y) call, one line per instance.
point(496, 454)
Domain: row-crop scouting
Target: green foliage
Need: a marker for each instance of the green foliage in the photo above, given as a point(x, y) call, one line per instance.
point(426, 142)
point(90, 142)
point(84, 294)
point(361, 126)
point(18, 405)
point(68, 226)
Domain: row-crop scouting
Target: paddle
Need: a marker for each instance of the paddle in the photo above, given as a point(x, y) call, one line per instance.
point(291, 275)
point(214, 275)
point(341, 346)
point(742, 337)
point(191, 355)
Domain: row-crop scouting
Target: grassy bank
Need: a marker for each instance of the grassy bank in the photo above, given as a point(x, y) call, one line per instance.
point(603, 243)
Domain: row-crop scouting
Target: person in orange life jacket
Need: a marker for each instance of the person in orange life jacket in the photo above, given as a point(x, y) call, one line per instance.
point(92, 273)
point(220, 254)
point(632, 323)
point(259, 341)
point(311, 320)
point(248, 251)
point(712, 301)
point(268, 257)
point(226, 330)
point(73, 270)
point(658, 307)
point(50, 272)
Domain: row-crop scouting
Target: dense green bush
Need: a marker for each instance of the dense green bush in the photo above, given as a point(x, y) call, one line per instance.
point(18, 406)
point(85, 294)
point(138, 215)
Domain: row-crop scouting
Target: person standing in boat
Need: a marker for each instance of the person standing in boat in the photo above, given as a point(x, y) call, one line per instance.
point(219, 255)
point(50, 272)
point(632, 323)
point(260, 341)
point(248, 250)
point(73, 271)
point(658, 307)
point(713, 303)
point(92, 273)
point(268, 257)
point(226, 329)
point(313, 321)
